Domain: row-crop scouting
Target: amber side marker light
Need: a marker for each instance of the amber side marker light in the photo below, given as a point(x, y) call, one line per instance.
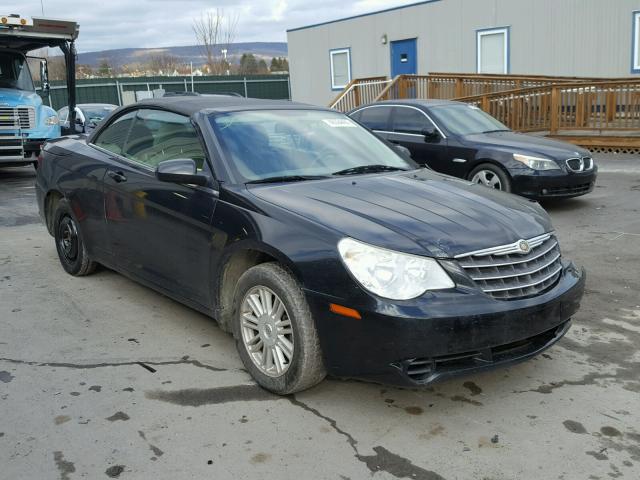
point(344, 311)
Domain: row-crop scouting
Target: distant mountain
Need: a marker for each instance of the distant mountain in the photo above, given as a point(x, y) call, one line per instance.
point(193, 53)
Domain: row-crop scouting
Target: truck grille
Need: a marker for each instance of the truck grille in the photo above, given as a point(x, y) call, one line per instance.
point(523, 269)
point(12, 118)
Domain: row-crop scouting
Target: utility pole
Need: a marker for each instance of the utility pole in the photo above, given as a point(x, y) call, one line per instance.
point(224, 55)
point(191, 63)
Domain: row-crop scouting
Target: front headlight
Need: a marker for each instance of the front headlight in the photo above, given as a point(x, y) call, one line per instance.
point(536, 163)
point(52, 120)
point(389, 274)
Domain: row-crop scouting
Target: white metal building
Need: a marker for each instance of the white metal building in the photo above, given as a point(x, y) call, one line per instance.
point(592, 38)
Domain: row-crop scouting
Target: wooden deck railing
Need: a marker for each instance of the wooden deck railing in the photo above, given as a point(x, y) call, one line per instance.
point(579, 106)
point(359, 92)
point(446, 86)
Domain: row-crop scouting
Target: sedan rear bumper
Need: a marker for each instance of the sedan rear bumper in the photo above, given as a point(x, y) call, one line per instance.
point(453, 334)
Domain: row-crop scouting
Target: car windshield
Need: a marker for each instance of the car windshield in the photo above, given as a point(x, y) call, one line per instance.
point(293, 145)
point(96, 113)
point(461, 119)
point(14, 72)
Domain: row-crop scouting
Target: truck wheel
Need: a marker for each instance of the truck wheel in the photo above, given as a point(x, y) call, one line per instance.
point(491, 176)
point(275, 332)
point(71, 249)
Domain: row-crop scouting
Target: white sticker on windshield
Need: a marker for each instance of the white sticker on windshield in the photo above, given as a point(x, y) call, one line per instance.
point(339, 122)
point(473, 107)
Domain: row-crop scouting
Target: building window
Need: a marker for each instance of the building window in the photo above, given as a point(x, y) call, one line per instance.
point(340, 60)
point(635, 47)
point(493, 50)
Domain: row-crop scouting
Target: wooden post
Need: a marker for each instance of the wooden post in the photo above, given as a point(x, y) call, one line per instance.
point(356, 94)
point(611, 105)
point(579, 109)
point(554, 113)
point(485, 104)
point(459, 88)
point(402, 87)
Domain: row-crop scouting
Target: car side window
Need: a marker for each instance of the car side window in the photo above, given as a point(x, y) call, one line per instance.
point(409, 120)
point(375, 118)
point(157, 135)
point(114, 136)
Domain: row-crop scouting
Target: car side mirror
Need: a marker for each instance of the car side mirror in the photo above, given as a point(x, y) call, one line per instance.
point(402, 150)
point(180, 170)
point(430, 134)
point(44, 77)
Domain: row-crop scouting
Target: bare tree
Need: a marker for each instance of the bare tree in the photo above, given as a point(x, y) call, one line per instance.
point(215, 32)
point(163, 63)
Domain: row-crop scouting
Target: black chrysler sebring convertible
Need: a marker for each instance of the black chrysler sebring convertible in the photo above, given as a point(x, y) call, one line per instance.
point(314, 242)
point(461, 140)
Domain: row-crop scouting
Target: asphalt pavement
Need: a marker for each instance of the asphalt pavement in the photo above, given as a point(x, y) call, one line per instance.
point(103, 378)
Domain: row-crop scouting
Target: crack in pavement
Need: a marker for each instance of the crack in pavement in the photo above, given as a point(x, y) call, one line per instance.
point(183, 361)
point(352, 441)
point(383, 460)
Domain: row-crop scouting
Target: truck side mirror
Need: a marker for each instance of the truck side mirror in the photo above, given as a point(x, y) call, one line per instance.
point(44, 77)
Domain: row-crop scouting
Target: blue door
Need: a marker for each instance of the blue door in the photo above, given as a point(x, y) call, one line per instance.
point(404, 59)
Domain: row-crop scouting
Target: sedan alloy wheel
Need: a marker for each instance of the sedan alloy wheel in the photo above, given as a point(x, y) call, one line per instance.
point(267, 332)
point(488, 179)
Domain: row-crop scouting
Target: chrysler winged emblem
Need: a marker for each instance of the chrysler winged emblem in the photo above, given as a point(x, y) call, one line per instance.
point(524, 246)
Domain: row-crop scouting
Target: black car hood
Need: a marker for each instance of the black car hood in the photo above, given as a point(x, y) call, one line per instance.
point(522, 143)
point(412, 211)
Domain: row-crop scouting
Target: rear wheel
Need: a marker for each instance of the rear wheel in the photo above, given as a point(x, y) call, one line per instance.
point(275, 332)
point(71, 249)
point(491, 176)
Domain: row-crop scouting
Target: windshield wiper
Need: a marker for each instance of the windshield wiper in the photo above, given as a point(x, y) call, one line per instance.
point(498, 130)
point(287, 178)
point(368, 169)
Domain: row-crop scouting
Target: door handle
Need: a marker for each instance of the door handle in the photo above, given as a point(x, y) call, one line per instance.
point(117, 177)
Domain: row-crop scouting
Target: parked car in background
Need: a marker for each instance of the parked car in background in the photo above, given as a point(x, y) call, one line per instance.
point(88, 116)
point(310, 239)
point(462, 140)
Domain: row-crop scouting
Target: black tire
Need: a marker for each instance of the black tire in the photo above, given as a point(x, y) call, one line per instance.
point(69, 244)
point(306, 367)
point(503, 177)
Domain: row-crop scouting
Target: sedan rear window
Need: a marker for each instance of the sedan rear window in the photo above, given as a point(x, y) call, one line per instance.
point(310, 143)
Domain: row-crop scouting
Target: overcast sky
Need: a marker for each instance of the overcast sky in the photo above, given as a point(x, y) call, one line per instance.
point(107, 24)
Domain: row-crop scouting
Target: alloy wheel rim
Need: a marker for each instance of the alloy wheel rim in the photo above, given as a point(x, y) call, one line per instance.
point(68, 239)
point(267, 333)
point(488, 179)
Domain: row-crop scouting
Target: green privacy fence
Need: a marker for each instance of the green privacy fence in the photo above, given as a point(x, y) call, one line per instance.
point(121, 91)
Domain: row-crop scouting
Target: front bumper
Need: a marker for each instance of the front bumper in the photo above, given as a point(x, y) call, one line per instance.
point(16, 150)
point(444, 334)
point(552, 184)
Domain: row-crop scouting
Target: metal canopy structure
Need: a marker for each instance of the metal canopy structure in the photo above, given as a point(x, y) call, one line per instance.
point(26, 35)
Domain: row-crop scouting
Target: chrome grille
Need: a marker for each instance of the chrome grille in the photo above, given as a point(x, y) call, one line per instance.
point(579, 164)
point(12, 118)
point(508, 272)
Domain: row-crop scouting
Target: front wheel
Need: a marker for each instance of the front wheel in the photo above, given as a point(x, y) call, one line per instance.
point(491, 176)
point(275, 332)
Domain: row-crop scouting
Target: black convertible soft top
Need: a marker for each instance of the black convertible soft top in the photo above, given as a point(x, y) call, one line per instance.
point(187, 105)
